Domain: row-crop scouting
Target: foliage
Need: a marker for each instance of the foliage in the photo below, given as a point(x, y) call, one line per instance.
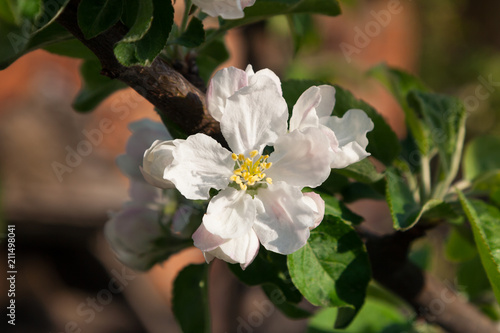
point(419, 177)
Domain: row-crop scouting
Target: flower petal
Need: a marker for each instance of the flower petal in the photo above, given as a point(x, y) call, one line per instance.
point(227, 9)
point(200, 163)
point(301, 158)
point(156, 159)
point(314, 103)
point(253, 77)
point(325, 106)
point(205, 240)
point(230, 213)
point(350, 131)
point(317, 204)
point(304, 111)
point(223, 85)
point(144, 133)
point(283, 218)
point(242, 250)
point(255, 116)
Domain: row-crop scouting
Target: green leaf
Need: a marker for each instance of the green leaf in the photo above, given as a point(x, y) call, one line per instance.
point(357, 191)
point(481, 156)
point(9, 12)
point(301, 28)
point(71, 48)
point(334, 184)
point(210, 57)
point(335, 207)
point(29, 9)
point(278, 298)
point(400, 83)
point(264, 9)
point(97, 16)
point(332, 269)
point(269, 267)
point(445, 118)
point(141, 20)
point(362, 171)
point(484, 220)
point(405, 211)
point(145, 50)
point(194, 34)
point(190, 299)
point(18, 41)
point(96, 87)
point(375, 316)
point(472, 278)
point(460, 245)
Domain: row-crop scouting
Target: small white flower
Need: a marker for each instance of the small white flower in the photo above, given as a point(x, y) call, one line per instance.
point(227, 9)
point(260, 198)
point(144, 133)
point(153, 223)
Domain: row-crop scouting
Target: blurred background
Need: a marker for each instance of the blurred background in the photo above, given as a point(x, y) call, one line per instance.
point(62, 258)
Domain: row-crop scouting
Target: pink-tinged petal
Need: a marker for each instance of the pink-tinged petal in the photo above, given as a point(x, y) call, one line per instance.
point(230, 214)
point(200, 163)
point(301, 158)
point(255, 116)
point(156, 159)
point(283, 218)
point(223, 85)
point(314, 201)
point(205, 240)
point(242, 250)
point(350, 131)
point(247, 3)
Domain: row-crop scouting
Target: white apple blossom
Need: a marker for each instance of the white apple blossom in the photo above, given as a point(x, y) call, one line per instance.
point(154, 223)
point(227, 9)
point(260, 198)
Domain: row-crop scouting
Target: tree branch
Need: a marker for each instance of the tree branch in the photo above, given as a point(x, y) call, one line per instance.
point(173, 95)
point(431, 299)
point(182, 103)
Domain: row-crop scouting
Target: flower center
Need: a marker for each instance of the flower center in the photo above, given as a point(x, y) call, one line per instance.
point(250, 171)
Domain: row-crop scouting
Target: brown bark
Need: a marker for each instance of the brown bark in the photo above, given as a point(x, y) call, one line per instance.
point(184, 104)
point(431, 299)
point(172, 94)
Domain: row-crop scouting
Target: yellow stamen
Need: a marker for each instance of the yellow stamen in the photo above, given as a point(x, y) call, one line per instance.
point(250, 171)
